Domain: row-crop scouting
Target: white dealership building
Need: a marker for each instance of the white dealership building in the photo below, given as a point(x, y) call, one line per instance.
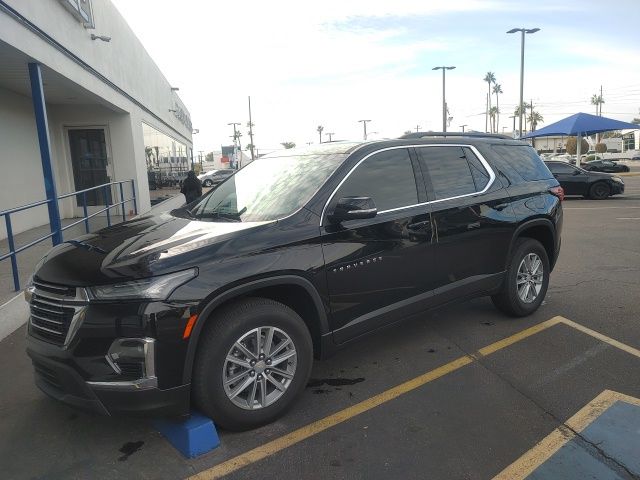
point(81, 104)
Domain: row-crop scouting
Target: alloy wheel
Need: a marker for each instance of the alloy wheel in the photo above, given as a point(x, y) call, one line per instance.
point(259, 368)
point(530, 277)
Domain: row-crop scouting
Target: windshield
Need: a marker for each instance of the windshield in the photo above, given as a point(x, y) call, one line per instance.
point(267, 189)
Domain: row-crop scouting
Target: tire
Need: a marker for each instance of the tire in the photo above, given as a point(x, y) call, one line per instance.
point(599, 191)
point(207, 183)
point(626, 169)
point(508, 300)
point(217, 344)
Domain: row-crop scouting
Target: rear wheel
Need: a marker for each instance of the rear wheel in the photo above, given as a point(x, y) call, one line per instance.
point(253, 359)
point(599, 191)
point(526, 281)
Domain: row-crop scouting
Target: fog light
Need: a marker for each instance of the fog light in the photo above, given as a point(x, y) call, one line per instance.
point(132, 357)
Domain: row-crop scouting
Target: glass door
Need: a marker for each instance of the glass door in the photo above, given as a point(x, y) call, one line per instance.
point(91, 167)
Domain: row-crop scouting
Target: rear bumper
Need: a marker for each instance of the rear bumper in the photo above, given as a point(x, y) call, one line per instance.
point(56, 377)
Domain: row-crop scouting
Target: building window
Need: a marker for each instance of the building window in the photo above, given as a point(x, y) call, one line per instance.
point(165, 155)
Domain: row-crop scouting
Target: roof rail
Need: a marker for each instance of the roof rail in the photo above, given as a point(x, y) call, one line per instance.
point(454, 134)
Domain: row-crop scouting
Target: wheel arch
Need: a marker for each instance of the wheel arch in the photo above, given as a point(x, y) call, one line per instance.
point(296, 292)
point(541, 229)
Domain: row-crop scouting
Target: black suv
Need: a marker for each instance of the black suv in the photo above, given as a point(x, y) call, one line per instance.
point(226, 301)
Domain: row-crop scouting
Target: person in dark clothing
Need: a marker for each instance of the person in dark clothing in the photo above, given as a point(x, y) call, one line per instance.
point(191, 187)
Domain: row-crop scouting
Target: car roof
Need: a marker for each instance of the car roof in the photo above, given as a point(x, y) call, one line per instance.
point(416, 138)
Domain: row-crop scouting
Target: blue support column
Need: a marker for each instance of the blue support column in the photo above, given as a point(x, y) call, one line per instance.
point(40, 110)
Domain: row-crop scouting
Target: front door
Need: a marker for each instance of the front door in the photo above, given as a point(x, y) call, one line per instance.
point(377, 268)
point(91, 167)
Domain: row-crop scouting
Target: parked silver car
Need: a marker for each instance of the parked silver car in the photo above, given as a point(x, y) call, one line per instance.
point(214, 177)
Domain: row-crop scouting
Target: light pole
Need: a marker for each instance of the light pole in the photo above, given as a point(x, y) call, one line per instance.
point(462, 126)
point(235, 143)
point(251, 131)
point(364, 125)
point(330, 135)
point(444, 101)
point(523, 31)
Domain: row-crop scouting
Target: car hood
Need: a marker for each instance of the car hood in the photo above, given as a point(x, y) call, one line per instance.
point(143, 247)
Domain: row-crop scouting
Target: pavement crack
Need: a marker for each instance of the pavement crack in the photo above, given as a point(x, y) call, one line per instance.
point(479, 359)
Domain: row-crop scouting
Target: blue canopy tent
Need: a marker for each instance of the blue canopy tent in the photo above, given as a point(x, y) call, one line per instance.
point(581, 124)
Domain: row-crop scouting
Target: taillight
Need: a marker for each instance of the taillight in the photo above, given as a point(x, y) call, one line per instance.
point(557, 191)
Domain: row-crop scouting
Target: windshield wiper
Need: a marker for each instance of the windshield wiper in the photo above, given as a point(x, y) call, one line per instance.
point(232, 217)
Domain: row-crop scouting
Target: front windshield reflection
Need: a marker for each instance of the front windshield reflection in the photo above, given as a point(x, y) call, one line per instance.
point(267, 189)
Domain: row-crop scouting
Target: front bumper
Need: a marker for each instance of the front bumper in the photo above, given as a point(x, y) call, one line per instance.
point(56, 376)
point(617, 188)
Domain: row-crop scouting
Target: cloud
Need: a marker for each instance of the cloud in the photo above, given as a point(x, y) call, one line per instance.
point(337, 62)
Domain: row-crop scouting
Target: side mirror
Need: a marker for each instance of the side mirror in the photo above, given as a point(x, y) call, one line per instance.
point(352, 208)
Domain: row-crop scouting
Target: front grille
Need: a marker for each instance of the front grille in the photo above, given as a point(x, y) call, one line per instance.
point(54, 308)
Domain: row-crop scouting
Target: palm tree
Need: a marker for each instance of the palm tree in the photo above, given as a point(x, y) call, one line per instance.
point(493, 115)
point(525, 106)
point(319, 130)
point(597, 100)
point(497, 89)
point(489, 78)
point(534, 119)
point(148, 151)
point(236, 137)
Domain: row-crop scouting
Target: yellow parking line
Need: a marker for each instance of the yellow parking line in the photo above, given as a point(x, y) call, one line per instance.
point(307, 431)
point(318, 426)
point(499, 345)
point(544, 450)
point(290, 439)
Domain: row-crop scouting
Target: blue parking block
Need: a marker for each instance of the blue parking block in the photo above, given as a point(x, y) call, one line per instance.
point(191, 437)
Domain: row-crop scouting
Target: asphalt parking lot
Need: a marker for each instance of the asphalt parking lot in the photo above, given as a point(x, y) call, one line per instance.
point(460, 392)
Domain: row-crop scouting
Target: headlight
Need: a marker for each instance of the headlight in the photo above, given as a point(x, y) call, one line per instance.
point(617, 179)
point(154, 288)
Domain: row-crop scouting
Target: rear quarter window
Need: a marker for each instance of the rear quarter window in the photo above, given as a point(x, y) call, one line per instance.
point(520, 164)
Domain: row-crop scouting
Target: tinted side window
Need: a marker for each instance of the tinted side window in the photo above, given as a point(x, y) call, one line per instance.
point(449, 170)
point(386, 177)
point(560, 168)
point(520, 163)
point(480, 174)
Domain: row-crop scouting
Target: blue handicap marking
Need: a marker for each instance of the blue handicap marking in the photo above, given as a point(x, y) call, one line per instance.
point(608, 448)
point(191, 437)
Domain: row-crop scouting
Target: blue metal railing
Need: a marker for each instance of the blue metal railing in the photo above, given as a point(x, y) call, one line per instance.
point(106, 194)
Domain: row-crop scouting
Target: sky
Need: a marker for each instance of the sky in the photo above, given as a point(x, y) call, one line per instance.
point(336, 62)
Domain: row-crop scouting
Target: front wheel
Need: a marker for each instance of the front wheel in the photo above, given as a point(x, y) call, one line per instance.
point(526, 281)
point(254, 358)
point(207, 183)
point(599, 191)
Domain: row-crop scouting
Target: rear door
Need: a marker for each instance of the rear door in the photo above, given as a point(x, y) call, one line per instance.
point(472, 219)
point(378, 268)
